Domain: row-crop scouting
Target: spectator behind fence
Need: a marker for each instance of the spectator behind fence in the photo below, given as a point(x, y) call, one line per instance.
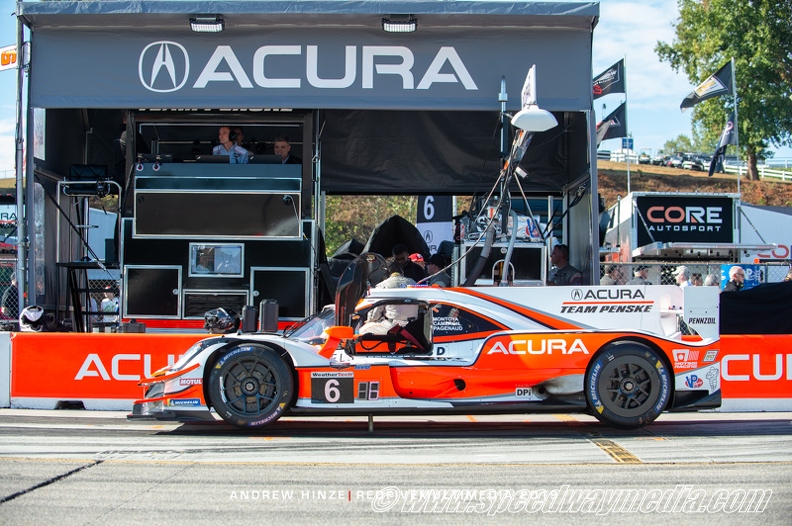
point(682, 276)
point(613, 275)
point(695, 280)
point(788, 277)
point(712, 281)
point(640, 274)
point(736, 279)
point(109, 306)
point(10, 302)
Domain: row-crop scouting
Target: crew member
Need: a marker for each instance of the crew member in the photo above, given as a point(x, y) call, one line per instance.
point(228, 146)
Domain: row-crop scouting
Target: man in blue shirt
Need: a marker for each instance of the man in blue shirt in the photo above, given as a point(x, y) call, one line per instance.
point(229, 147)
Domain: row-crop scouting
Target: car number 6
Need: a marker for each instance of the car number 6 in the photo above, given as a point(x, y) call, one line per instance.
point(332, 393)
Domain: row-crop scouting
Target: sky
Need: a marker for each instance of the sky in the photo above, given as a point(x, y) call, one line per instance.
point(626, 29)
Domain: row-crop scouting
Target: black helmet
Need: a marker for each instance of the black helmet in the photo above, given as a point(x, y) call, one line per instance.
point(221, 321)
point(31, 319)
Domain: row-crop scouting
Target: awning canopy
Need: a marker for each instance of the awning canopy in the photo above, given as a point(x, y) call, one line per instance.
point(308, 54)
point(398, 113)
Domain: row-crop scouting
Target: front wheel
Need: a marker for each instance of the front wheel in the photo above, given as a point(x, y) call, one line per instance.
point(250, 386)
point(627, 385)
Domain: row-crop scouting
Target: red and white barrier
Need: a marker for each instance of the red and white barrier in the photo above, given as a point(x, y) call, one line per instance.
point(39, 370)
point(756, 372)
point(100, 370)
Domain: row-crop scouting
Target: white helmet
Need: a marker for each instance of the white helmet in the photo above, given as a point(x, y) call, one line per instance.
point(31, 319)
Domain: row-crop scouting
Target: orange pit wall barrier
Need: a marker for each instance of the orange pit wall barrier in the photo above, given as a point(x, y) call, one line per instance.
point(103, 370)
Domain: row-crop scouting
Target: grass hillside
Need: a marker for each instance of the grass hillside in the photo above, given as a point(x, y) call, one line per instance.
point(648, 178)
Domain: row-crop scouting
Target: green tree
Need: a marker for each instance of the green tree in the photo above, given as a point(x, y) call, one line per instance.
point(756, 33)
point(356, 216)
point(681, 144)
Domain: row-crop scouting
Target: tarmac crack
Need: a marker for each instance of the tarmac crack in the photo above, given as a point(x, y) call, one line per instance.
point(49, 481)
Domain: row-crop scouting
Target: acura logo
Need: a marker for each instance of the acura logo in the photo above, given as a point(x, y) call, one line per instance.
point(163, 66)
point(577, 294)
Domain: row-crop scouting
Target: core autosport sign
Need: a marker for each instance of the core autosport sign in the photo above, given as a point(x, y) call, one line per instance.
point(685, 219)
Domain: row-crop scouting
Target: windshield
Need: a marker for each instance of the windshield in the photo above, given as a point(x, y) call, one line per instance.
point(311, 329)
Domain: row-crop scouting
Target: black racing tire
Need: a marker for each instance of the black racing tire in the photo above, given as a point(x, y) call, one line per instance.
point(628, 385)
point(251, 385)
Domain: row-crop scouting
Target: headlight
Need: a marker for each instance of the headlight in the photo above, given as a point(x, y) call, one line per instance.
point(192, 352)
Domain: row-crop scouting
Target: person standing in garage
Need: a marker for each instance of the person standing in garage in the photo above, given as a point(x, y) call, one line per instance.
point(409, 269)
point(564, 273)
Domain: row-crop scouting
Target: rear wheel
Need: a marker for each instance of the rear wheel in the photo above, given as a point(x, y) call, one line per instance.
point(627, 385)
point(251, 386)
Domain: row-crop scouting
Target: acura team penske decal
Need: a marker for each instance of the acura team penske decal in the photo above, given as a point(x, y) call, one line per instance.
point(614, 301)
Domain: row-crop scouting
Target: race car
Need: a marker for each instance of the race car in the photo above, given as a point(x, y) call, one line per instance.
point(464, 350)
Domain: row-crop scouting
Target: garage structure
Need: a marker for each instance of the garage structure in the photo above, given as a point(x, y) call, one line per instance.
point(368, 111)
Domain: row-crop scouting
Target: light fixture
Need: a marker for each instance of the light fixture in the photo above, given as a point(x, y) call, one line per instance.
point(534, 119)
point(207, 23)
point(531, 118)
point(400, 24)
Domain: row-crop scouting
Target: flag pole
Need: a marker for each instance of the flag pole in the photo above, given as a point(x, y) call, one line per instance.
point(736, 127)
point(626, 131)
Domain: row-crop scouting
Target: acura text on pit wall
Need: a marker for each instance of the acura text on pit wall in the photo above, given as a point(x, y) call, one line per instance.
point(164, 67)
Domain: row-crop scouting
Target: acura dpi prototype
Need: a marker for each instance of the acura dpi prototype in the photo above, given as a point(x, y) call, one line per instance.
point(461, 351)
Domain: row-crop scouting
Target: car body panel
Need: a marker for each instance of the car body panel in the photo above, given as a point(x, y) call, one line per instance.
point(491, 349)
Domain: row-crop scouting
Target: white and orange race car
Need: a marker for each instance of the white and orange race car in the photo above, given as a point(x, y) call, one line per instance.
point(471, 350)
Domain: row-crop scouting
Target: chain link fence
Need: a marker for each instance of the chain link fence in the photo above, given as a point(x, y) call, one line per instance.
point(662, 273)
point(101, 309)
point(9, 294)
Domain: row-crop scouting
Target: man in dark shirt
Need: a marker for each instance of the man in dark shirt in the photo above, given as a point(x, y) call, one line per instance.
point(282, 148)
point(409, 269)
point(434, 265)
point(565, 274)
point(736, 279)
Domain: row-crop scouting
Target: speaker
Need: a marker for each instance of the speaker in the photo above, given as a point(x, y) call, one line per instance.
point(269, 315)
point(111, 255)
point(249, 318)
